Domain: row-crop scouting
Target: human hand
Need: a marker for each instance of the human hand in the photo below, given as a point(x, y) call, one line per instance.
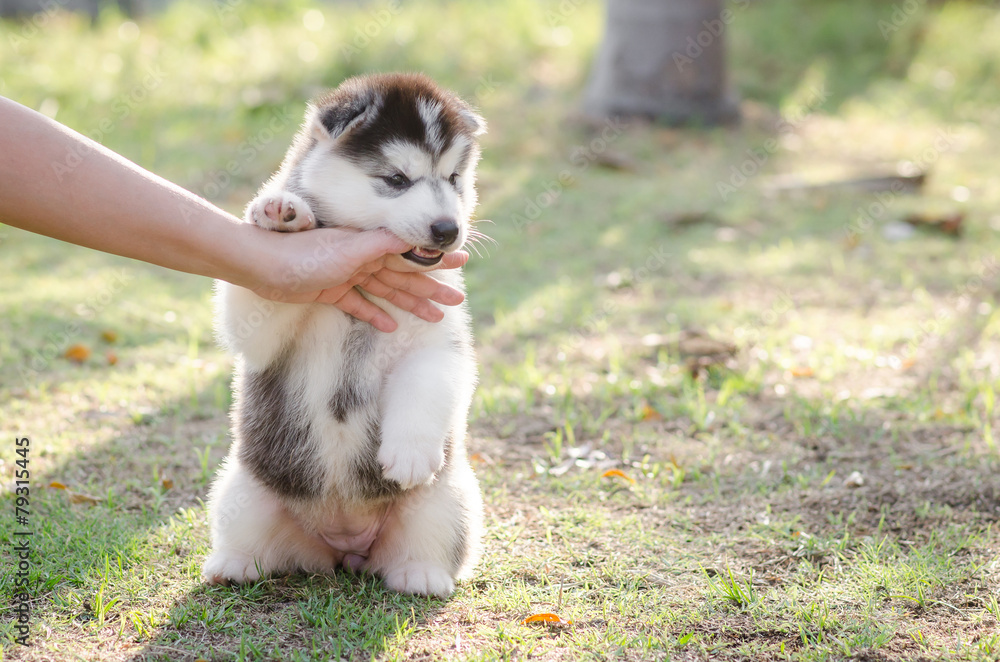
point(311, 261)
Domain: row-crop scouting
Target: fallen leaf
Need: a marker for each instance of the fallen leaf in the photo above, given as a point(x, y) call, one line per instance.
point(481, 458)
point(78, 353)
point(57, 485)
point(551, 619)
point(950, 224)
point(897, 182)
point(112, 358)
point(701, 346)
point(76, 497)
point(650, 414)
point(618, 473)
point(698, 350)
point(614, 160)
point(802, 371)
point(685, 219)
point(109, 336)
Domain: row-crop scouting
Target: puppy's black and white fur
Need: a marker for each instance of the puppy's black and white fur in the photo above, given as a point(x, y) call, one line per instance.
point(348, 443)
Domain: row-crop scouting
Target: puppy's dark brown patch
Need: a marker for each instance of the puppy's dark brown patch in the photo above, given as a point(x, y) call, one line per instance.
point(274, 438)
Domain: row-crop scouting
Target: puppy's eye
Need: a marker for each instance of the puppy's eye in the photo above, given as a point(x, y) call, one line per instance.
point(399, 180)
point(453, 180)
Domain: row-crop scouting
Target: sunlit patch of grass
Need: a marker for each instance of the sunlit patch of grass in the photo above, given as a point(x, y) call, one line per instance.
point(875, 357)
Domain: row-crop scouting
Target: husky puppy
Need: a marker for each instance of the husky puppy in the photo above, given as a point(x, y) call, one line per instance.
point(348, 443)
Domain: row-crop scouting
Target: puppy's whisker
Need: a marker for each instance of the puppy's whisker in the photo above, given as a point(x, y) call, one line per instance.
point(479, 236)
point(473, 245)
point(476, 243)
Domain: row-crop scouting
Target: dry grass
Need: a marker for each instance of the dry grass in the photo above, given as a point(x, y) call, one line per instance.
point(826, 487)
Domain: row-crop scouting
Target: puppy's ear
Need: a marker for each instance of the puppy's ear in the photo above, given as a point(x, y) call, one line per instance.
point(332, 120)
point(473, 120)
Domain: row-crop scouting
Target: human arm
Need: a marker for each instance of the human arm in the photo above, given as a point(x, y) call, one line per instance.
point(56, 182)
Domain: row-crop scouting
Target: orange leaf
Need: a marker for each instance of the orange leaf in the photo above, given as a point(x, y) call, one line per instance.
point(57, 485)
point(78, 353)
point(650, 414)
point(802, 371)
point(167, 483)
point(618, 473)
point(76, 497)
point(481, 458)
point(109, 336)
point(545, 618)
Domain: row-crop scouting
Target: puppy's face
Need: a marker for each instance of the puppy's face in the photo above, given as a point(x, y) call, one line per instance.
point(398, 153)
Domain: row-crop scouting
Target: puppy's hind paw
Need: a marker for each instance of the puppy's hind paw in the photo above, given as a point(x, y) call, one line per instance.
point(229, 568)
point(421, 579)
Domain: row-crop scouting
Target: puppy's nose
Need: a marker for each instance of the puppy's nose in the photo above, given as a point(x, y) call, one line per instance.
point(444, 232)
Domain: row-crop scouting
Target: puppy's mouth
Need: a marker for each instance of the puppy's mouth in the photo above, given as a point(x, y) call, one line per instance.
point(427, 257)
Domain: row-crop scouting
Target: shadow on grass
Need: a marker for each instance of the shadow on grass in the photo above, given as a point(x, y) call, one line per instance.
point(298, 617)
point(118, 555)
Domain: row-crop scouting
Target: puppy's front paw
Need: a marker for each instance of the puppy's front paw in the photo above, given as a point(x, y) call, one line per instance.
point(410, 464)
point(421, 579)
point(229, 568)
point(281, 211)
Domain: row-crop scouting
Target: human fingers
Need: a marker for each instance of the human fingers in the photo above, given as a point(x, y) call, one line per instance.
point(419, 285)
point(357, 306)
point(417, 305)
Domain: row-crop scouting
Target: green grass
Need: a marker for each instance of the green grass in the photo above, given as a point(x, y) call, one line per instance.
point(746, 533)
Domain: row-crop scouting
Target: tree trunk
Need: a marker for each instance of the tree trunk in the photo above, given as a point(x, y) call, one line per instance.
point(665, 60)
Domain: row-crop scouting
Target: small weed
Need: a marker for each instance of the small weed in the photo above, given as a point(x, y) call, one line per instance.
point(993, 607)
point(742, 594)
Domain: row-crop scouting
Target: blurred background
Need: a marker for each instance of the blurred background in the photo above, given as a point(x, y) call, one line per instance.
point(809, 284)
